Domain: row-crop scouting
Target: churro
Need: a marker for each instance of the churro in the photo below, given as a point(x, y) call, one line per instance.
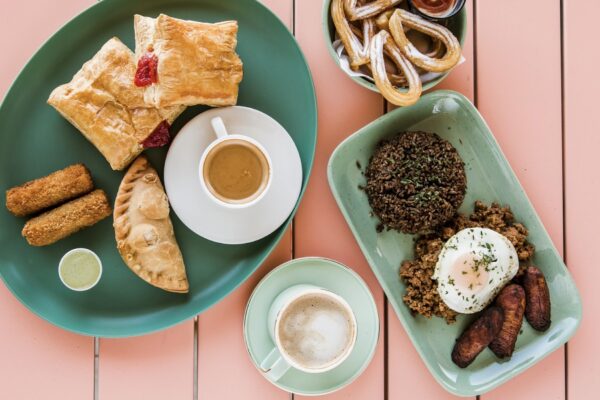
point(451, 57)
point(367, 10)
point(382, 41)
point(358, 52)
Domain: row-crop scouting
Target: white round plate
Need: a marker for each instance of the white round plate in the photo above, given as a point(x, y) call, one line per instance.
point(199, 212)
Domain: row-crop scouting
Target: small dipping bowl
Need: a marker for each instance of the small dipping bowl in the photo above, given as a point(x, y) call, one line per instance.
point(458, 5)
point(80, 269)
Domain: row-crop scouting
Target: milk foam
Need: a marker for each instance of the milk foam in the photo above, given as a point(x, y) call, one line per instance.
point(315, 331)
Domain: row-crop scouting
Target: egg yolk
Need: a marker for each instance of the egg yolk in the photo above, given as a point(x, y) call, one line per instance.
point(468, 273)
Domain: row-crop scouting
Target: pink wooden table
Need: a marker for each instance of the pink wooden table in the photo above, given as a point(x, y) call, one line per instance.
point(531, 70)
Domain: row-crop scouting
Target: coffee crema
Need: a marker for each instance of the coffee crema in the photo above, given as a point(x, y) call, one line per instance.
point(316, 331)
point(236, 171)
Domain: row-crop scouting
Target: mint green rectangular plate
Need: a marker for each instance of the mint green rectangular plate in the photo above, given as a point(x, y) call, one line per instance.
point(489, 178)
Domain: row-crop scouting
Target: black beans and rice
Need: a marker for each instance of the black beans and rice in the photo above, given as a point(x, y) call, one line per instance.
point(415, 182)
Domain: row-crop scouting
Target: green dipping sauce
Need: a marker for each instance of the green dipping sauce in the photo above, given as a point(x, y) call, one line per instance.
point(79, 269)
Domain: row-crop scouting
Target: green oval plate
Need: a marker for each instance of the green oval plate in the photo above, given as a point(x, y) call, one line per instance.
point(36, 140)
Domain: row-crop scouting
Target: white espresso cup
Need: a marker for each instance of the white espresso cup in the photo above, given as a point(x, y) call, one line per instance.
point(223, 138)
point(314, 331)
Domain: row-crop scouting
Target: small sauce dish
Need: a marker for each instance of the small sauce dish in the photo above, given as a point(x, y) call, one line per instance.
point(80, 269)
point(436, 10)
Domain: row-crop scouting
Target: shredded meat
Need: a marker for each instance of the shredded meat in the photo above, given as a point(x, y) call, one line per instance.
point(421, 291)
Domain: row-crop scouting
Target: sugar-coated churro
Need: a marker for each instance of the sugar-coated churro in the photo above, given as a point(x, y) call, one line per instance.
point(381, 41)
point(451, 57)
point(367, 10)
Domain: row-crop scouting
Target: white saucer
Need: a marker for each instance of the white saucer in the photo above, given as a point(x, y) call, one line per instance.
point(203, 216)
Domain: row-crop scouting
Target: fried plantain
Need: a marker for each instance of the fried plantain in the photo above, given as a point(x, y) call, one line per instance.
point(512, 301)
point(477, 336)
point(537, 296)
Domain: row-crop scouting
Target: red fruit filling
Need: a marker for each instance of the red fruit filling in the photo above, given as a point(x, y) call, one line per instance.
point(160, 136)
point(146, 73)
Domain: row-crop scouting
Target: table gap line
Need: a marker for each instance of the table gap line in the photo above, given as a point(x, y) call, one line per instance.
point(475, 85)
point(96, 387)
point(386, 379)
point(564, 186)
point(195, 360)
point(293, 225)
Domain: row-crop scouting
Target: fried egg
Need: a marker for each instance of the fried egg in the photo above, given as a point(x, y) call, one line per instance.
point(473, 266)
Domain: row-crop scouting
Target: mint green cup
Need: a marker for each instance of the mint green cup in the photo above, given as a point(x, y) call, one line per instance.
point(278, 362)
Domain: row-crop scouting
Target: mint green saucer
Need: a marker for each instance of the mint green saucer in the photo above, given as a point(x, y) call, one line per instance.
point(330, 275)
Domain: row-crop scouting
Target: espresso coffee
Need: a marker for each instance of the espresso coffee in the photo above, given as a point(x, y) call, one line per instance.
point(236, 171)
point(315, 331)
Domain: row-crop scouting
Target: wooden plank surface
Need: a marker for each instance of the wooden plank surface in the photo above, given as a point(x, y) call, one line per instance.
point(36, 357)
point(518, 92)
point(221, 344)
point(519, 95)
point(582, 183)
point(225, 370)
point(320, 228)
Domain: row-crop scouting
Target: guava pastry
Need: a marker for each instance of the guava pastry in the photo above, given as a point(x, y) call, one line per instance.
point(187, 62)
point(144, 232)
point(109, 110)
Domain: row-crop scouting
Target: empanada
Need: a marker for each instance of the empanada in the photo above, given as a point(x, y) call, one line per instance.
point(104, 104)
point(144, 231)
point(187, 62)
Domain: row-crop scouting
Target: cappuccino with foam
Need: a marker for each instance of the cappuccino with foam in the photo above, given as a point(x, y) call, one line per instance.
point(316, 331)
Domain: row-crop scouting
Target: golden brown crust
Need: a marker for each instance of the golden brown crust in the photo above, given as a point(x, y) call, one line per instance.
point(537, 309)
point(50, 190)
point(197, 62)
point(383, 41)
point(367, 8)
point(477, 336)
point(512, 301)
point(67, 219)
point(450, 58)
point(356, 45)
point(144, 232)
point(104, 104)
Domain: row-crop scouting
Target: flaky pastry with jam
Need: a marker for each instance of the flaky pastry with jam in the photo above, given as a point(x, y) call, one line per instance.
point(124, 103)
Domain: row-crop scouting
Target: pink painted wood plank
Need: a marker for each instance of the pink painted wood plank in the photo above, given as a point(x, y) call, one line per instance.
point(155, 366)
point(320, 228)
point(582, 180)
point(519, 95)
point(462, 77)
point(221, 344)
point(32, 22)
point(404, 364)
point(38, 360)
point(225, 370)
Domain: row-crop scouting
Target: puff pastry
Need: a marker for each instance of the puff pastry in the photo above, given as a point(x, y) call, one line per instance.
point(196, 61)
point(109, 110)
point(144, 232)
